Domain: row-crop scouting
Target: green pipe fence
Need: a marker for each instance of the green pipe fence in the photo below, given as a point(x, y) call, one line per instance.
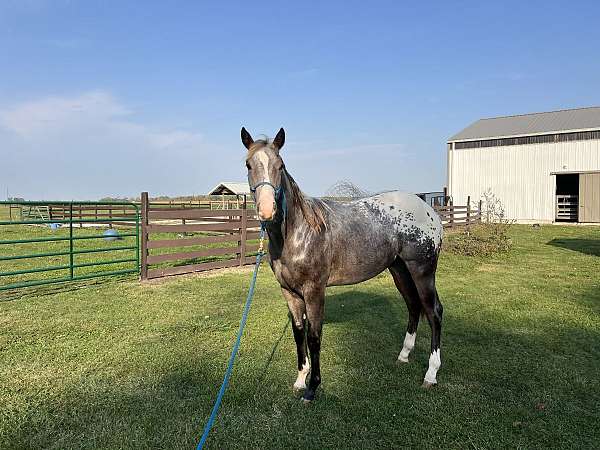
point(71, 213)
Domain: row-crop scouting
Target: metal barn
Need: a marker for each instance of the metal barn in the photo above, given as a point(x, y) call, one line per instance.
point(544, 167)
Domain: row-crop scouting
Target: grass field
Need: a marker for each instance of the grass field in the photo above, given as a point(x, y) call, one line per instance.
point(118, 364)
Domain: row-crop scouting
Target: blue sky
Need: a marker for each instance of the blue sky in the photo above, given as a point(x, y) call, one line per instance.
point(112, 98)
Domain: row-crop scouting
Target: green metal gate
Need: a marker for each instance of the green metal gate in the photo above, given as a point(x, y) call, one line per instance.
point(41, 226)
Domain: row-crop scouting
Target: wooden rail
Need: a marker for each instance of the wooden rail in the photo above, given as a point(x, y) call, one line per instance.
point(185, 238)
point(459, 216)
point(103, 214)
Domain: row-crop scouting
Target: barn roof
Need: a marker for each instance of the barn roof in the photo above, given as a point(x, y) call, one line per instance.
point(528, 124)
point(230, 188)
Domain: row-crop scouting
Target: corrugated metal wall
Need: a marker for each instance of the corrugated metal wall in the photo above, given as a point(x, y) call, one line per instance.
point(519, 175)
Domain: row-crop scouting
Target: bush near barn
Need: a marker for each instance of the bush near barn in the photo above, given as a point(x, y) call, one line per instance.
point(490, 236)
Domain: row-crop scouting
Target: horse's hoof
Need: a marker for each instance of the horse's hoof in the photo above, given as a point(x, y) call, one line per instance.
point(428, 385)
point(401, 361)
point(308, 397)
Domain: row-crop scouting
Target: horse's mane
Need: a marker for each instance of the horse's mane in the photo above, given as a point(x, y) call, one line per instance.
point(313, 209)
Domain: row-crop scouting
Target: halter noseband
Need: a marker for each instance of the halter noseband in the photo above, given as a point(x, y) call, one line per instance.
point(277, 189)
point(279, 193)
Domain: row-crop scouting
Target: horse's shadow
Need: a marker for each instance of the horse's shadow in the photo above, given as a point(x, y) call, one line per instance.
point(586, 246)
point(360, 306)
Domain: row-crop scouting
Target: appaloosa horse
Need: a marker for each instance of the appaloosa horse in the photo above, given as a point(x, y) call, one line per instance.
point(317, 243)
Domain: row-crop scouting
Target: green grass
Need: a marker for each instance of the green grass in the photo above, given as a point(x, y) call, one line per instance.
point(126, 365)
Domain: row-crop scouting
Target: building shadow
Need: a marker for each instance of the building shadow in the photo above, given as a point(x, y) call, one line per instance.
point(586, 246)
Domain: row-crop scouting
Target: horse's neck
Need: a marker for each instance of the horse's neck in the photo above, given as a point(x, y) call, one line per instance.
point(291, 213)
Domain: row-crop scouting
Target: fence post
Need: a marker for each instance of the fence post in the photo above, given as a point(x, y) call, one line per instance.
point(243, 233)
point(144, 249)
point(71, 240)
point(137, 237)
point(445, 201)
point(451, 216)
point(468, 211)
point(480, 211)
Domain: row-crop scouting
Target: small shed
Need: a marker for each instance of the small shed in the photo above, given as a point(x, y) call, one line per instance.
point(233, 193)
point(239, 188)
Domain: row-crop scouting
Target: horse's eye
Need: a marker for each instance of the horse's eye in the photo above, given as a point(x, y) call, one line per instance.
point(248, 166)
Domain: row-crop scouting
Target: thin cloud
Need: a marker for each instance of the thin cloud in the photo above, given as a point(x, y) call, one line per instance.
point(95, 113)
point(89, 145)
point(305, 73)
point(350, 150)
point(67, 43)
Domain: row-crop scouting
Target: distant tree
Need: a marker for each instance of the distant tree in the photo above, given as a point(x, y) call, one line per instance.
point(115, 199)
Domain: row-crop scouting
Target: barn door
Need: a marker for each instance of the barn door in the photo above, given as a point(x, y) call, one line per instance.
point(589, 197)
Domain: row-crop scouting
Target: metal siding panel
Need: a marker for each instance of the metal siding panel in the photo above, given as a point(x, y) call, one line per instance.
point(520, 176)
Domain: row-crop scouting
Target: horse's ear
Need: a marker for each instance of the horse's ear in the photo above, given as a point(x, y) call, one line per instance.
point(246, 139)
point(279, 139)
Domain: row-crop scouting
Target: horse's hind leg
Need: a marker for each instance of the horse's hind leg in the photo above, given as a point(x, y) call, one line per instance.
point(406, 286)
point(423, 276)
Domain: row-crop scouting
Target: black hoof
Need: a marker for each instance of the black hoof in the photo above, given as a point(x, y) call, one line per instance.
point(308, 397)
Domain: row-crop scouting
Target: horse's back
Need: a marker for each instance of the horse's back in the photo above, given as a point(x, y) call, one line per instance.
point(366, 235)
point(416, 224)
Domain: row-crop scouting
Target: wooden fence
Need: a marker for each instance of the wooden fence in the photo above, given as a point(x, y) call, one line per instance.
point(102, 214)
point(178, 240)
point(459, 216)
point(206, 202)
point(86, 211)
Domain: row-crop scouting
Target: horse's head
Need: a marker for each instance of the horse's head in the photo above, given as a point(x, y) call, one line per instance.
point(265, 168)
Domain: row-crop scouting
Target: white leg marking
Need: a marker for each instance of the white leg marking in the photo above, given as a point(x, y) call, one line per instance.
point(409, 344)
point(435, 362)
point(301, 380)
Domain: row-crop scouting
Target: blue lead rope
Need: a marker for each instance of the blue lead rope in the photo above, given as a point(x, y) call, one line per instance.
point(215, 410)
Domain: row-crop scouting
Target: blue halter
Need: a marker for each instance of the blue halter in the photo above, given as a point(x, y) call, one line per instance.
point(279, 194)
point(277, 189)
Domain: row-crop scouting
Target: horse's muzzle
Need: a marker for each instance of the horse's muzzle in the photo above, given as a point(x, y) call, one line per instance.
point(267, 214)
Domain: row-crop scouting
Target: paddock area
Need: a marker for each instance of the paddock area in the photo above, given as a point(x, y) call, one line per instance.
point(120, 364)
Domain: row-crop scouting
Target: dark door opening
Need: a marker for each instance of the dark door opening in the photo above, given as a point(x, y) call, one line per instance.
point(567, 197)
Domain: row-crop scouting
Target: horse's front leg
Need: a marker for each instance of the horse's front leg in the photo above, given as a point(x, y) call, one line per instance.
point(315, 301)
point(297, 310)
